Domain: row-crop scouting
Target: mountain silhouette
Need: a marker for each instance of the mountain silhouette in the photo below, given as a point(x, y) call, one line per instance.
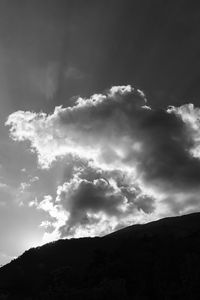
point(157, 260)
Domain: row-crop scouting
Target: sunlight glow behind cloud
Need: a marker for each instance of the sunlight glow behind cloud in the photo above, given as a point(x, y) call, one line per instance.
point(128, 161)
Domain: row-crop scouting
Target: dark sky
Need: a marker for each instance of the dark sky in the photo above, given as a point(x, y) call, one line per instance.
point(151, 44)
point(51, 53)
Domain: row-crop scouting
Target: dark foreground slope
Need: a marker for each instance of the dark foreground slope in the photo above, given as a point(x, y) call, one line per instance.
point(158, 260)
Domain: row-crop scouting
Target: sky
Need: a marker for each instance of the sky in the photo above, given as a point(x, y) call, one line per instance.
point(99, 117)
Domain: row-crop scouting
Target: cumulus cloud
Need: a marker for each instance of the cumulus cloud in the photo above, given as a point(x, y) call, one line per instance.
point(191, 117)
point(57, 214)
point(95, 202)
point(139, 161)
point(97, 128)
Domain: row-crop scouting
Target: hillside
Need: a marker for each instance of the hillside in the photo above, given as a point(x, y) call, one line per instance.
point(158, 260)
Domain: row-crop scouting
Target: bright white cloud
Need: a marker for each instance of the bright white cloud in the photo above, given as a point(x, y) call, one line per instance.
point(95, 202)
point(89, 129)
point(191, 117)
point(57, 214)
point(138, 163)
